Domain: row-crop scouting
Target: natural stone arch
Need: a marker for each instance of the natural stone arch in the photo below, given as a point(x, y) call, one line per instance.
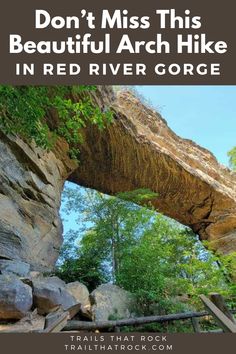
point(138, 150)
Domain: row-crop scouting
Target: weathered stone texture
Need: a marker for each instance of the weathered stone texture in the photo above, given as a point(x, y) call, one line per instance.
point(31, 181)
point(81, 294)
point(140, 151)
point(15, 297)
point(49, 293)
point(111, 302)
point(16, 267)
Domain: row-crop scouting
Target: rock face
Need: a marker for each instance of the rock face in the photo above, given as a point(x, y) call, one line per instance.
point(81, 294)
point(50, 292)
point(138, 150)
point(15, 297)
point(30, 188)
point(111, 302)
point(16, 267)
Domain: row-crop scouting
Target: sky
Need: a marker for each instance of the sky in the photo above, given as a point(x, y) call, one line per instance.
point(204, 114)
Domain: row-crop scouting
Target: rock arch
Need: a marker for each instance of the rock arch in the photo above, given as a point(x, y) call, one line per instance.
point(138, 150)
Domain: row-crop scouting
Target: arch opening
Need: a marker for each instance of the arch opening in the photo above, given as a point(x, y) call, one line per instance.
point(113, 240)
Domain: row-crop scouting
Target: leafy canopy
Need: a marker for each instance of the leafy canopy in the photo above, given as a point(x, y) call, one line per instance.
point(166, 262)
point(112, 224)
point(25, 111)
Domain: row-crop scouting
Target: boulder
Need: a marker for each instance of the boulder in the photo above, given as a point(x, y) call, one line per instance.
point(35, 274)
point(49, 293)
point(16, 267)
point(15, 297)
point(55, 281)
point(111, 302)
point(81, 294)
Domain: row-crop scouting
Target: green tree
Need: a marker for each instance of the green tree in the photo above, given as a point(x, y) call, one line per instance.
point(169, 261)
point(83, 261)
point(115, 223)
point(232, 158)
point(146, 253)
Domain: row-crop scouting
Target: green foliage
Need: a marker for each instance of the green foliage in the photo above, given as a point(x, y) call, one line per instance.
point(82, 261)
point(114, 224)
point(137, 196)
point(166, 262)
point(162, 263)
point(85, 268)
point(114, 316)
point(24, 111)
point(232, 158)
point(227, 265)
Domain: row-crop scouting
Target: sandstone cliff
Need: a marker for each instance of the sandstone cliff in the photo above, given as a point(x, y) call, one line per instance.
point(138, 150)
point(31, 181)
